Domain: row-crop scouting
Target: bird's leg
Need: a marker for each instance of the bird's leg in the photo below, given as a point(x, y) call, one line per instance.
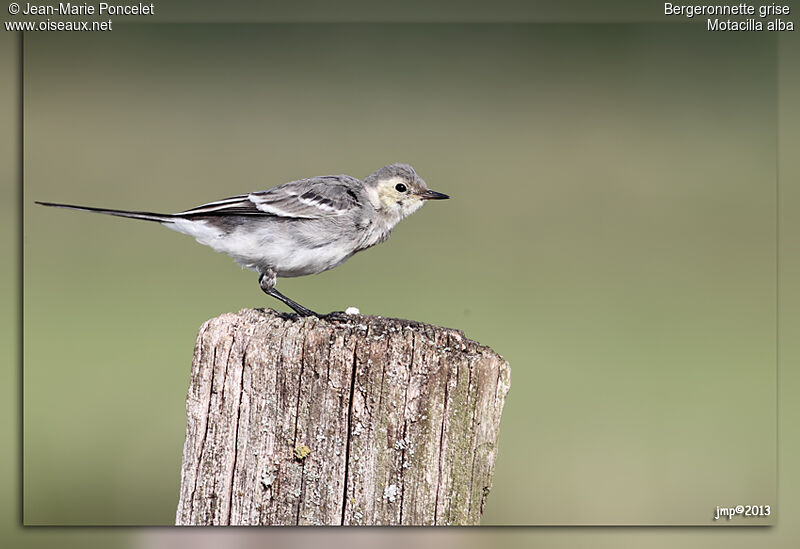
point(267, 283)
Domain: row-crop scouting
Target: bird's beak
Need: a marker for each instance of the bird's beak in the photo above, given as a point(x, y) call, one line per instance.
point(432, 195)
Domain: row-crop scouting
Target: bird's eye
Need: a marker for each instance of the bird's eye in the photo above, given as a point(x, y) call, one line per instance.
point(400, 188)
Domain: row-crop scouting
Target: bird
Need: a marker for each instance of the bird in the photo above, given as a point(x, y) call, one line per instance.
point(299, 228)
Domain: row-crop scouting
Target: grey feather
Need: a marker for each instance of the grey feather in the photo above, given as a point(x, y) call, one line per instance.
point(313, 198)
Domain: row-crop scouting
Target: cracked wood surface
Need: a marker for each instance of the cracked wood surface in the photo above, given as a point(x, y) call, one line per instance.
point(401, 420)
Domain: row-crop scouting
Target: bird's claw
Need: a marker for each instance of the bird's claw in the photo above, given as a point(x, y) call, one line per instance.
point(337, 316)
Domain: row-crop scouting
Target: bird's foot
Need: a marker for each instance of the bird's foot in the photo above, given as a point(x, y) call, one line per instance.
point(284, 315)
point(337, 316)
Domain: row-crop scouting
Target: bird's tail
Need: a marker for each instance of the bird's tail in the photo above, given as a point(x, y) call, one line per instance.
point(147, 216)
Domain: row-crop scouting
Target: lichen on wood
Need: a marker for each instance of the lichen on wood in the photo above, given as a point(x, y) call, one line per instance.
point(368, 421)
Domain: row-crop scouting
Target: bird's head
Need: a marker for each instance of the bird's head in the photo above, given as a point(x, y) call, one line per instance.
point(397, 191)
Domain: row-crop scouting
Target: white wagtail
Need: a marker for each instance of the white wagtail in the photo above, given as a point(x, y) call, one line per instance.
point(299, 228)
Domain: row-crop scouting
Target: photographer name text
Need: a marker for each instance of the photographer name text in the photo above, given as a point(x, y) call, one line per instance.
point(102, 8)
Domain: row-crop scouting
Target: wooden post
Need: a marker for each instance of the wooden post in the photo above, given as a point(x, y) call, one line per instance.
point(368, 421)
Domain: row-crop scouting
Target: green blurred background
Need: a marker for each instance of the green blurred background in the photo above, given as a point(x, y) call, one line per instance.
point(614, 198)
point(612, 234)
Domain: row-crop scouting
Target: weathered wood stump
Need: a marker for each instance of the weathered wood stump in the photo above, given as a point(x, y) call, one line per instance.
point(367, 421)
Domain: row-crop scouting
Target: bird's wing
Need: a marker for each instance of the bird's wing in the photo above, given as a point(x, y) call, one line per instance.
point(313, 198)
point(309, 198)
point(235, 205)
